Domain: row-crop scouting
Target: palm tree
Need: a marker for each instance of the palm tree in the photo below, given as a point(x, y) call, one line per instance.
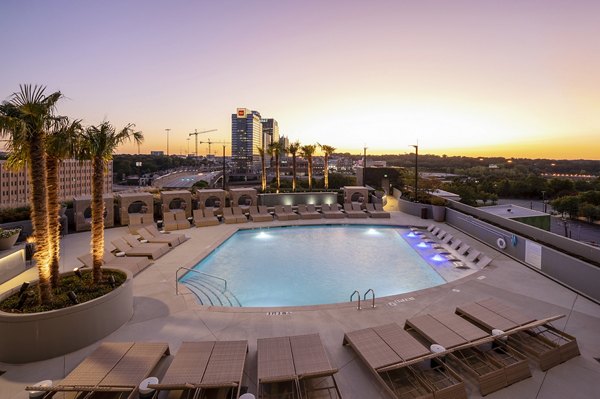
point(307, 152)
point(293, 149)
point(25, 119)
point(328, 150)
point(98, 144)
point(275, 148)
point(263, 176)
point(61, 143)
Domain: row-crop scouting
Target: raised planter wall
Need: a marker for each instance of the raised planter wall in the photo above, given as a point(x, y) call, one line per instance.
point(298, 198)
point(38, 336)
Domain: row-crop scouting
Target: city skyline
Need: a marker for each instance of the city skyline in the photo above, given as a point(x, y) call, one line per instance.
point(512, 79)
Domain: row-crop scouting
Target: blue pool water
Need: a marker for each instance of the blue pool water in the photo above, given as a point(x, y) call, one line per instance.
point(309, 265)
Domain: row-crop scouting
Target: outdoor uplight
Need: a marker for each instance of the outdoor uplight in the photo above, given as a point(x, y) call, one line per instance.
point(78, 273)
point(73, 297)
point(24, 287)
point(111, 281)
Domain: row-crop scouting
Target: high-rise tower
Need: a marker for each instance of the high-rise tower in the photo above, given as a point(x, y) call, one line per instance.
point(246, 138)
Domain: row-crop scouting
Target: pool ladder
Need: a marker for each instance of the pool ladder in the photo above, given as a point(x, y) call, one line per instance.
point(364, 297)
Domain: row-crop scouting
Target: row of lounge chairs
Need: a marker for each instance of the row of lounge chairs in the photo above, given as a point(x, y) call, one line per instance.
point(456, 250)
point(294, 366)
point(427, 357)
point(483, 341)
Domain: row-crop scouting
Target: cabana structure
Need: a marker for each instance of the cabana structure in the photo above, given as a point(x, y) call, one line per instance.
point(134, 203)
point(83, 211)
point(356, 194)
point(175, 200)
point(243, 197)
point(211, 199)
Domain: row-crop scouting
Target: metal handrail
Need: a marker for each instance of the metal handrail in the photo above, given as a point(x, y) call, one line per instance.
point(199, 272)
point(373, 297)
point(352, 296)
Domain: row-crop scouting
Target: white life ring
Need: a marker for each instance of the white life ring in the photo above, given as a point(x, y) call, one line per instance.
point(501, 243)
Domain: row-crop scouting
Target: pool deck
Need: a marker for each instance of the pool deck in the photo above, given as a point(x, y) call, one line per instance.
point(160, 315)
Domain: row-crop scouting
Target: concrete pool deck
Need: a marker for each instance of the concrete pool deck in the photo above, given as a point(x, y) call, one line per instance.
point(160, 315)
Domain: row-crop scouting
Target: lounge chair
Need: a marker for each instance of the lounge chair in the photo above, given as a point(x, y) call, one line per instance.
point(486, 365)
point(239, 213)
point(441, 234)
point(463, 249)
point(483, 262)
point(229, 217)
point(374, 213)
point(435, 231)
point(536, 338)
point(156, 233)
point(137, 220)
point(202, 367)
point(172, 241)
point(203, 218)
point(430, 227)
point(169, 222)
point(153, 251)
point(182, 220)
point(332, 211)
point(296, 366)
point(134, 264)
point(353, 211)
point(455, 244)
point(285, 213)
point(447, 239)
point(114, 367)
point(396, 359)
point(473, 255)
point(308, 212)
point(260, 214)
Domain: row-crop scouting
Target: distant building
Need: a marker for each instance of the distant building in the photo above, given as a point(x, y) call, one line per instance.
point(270, 129)
point(246, 138)
point(75, 179)
point(528, 216)
point(157, 153)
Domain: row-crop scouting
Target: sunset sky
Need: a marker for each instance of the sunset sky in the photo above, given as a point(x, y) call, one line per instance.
point(477, 78)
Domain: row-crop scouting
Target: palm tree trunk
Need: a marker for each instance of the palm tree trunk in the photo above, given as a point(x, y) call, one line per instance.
point(294, 172)
point(97, 206)
point(263, 178)
point(53, 219)
point(277, 171)
point(326, 172)
point(310, 174)
point(39, 215)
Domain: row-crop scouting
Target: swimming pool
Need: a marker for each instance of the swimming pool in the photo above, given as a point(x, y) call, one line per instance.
point(310, 265)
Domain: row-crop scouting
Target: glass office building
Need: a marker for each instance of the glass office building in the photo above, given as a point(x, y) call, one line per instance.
point(246, 138)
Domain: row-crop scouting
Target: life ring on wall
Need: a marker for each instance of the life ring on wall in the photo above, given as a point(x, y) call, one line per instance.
point(501, 243)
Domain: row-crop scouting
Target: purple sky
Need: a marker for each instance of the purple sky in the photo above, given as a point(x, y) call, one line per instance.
point(509, 78)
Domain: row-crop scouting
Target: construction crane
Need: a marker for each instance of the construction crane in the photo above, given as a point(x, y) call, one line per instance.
point(212, 142)
point(196, 133)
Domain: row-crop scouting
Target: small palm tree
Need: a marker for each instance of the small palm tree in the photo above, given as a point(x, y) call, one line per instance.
point(275, 148)
point(293, 149)
point(328, 150)
point(307, 152)
point(25, 119)
point(98, 144)
point(263, 165)
point(61, 143)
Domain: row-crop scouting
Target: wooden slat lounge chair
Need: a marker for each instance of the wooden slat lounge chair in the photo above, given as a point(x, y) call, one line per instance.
point(172, 241)
point(169, 222)
point(229, 217)
point(134, 264)
point(153, 251)
point(276, 371)
point(312, 366)
point(306, 213)
point(543, 342)
point(225, 367)
point(137, 220)
point(285, 213)
point(238, 212)
point(382, 349)
point(114, 367)
point(488, 367)
point(204, 219)
point(354, 213)
point(182, 220)
point(332, 211)
point(259, 214)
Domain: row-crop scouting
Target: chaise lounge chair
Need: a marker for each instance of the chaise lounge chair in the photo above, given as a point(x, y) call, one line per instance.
point(374, 213)
point(137, 220)
point(170, 222)
point(353, 211)
point(156, 233)
point(308, 212)
point(114, 367)
point(536, 338)
point(295, 366)
point(233, 215)
point(134, 264)
point(153, 251)
point(260, 214)
point(332, 211)
point(171, 240)
point(397, 360)
point(285, 212)
point(206, 368)
point(203, 218)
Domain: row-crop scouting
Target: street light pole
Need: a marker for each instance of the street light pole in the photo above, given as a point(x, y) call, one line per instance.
point(544, 200)
point(416, 171)
point(224, 167)
point(168, 130)
point(139, 165)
